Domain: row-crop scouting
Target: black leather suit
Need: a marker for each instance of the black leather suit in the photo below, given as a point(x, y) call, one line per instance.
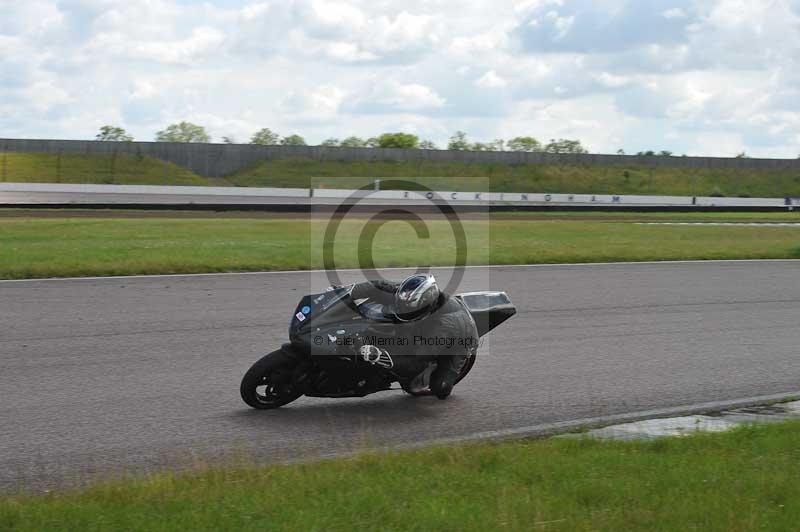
point(446, 335)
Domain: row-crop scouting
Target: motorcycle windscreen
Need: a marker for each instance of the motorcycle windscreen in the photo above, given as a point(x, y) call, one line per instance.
point(488, 309)
point(317, 311)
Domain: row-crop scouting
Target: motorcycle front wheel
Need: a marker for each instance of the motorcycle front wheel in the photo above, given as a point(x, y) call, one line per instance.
point(268, 383)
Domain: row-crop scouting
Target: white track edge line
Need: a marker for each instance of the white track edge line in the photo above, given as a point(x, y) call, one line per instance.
point(475, 266)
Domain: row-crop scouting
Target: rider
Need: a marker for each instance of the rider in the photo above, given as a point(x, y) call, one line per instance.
point(432, 324)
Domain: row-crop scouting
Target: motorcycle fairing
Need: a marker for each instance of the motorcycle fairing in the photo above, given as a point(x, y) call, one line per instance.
point(488, 309)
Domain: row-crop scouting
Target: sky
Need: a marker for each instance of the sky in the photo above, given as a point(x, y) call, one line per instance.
point(712, 77)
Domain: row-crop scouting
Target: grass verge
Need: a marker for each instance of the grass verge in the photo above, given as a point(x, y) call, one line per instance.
point(62, 247)
point(745, 479)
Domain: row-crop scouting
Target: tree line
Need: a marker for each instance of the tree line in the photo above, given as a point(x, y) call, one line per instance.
point(188, 132)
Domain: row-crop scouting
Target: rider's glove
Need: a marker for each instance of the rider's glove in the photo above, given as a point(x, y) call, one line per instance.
point(376, 356)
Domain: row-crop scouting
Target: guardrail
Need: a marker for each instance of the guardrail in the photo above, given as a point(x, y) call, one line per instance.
point(46, 194)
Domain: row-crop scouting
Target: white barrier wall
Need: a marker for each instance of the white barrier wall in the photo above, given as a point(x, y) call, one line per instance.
point(89, 193)
point(551, 199)
point(152, 189)
point(741, 202)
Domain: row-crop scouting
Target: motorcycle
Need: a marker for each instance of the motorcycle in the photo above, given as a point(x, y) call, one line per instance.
point(322, 358)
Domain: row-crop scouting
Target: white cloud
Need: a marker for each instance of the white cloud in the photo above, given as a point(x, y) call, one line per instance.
point(348, 52)
point(491, 80)
point(143, 89)
point(44, 95)
point(674, 12)
point(612, 81)
point(663, 74)
point(320, 103)
point(200, 43)
point(336, 17)
point(395, 97)
point(484, 43)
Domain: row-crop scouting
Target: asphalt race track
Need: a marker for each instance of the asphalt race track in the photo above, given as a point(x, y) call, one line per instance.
point(101, 376)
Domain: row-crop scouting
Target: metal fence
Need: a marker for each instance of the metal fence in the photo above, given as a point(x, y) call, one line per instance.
point(219, 160)
point(162, 163)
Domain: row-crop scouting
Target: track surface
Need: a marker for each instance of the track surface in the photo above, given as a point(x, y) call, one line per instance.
point(131, 374)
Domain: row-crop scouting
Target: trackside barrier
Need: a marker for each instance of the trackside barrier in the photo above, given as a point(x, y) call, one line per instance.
point(152, 189)
point(34, 193)
point(217, 160)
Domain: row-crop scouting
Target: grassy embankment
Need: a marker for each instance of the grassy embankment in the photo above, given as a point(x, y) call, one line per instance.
point(746, 479)
point(100, 169)
point(633, 179)
point(527, 178)
point(47, 247)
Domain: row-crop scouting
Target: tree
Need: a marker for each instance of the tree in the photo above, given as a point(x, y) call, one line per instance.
point(398, 140)
point(524, 144)
point(565, 146)
point(293, 140)
point(228, 140)
point(742, 155)
point(372, 142)
point(495, 145)
point(113, 134)
point(620, 152)
point(458, 141)
point(354, 142)
point(427, 145)
point(331, 143)
point(183, 132)
point(265, 137)
point(651, 153)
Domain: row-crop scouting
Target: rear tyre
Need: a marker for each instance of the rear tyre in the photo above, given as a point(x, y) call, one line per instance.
point(466, 368)
point(268, 383)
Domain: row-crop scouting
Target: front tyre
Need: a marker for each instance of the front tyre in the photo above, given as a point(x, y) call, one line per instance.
point(268, 383)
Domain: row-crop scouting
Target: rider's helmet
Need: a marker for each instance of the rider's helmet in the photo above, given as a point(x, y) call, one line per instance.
point(416, 297)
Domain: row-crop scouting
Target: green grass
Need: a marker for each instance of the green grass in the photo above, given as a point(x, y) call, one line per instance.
point(101, 169)
point(526, 178)
point(633, 179)
point(746, 479)
point(654, 216)
point(48, 247)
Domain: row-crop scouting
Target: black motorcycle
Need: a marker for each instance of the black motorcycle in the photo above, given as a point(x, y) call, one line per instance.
point(323, 358)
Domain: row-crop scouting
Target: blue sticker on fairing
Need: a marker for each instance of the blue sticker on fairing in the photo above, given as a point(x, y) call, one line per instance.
point(306, 309)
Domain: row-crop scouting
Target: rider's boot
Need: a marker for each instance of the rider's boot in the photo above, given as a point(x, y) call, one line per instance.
point(441, 387)
point(444, 377)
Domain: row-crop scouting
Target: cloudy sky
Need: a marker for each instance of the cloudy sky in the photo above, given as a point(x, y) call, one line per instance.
point(701, 77)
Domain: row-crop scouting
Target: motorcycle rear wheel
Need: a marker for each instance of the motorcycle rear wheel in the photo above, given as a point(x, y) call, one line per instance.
point(265, 385)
